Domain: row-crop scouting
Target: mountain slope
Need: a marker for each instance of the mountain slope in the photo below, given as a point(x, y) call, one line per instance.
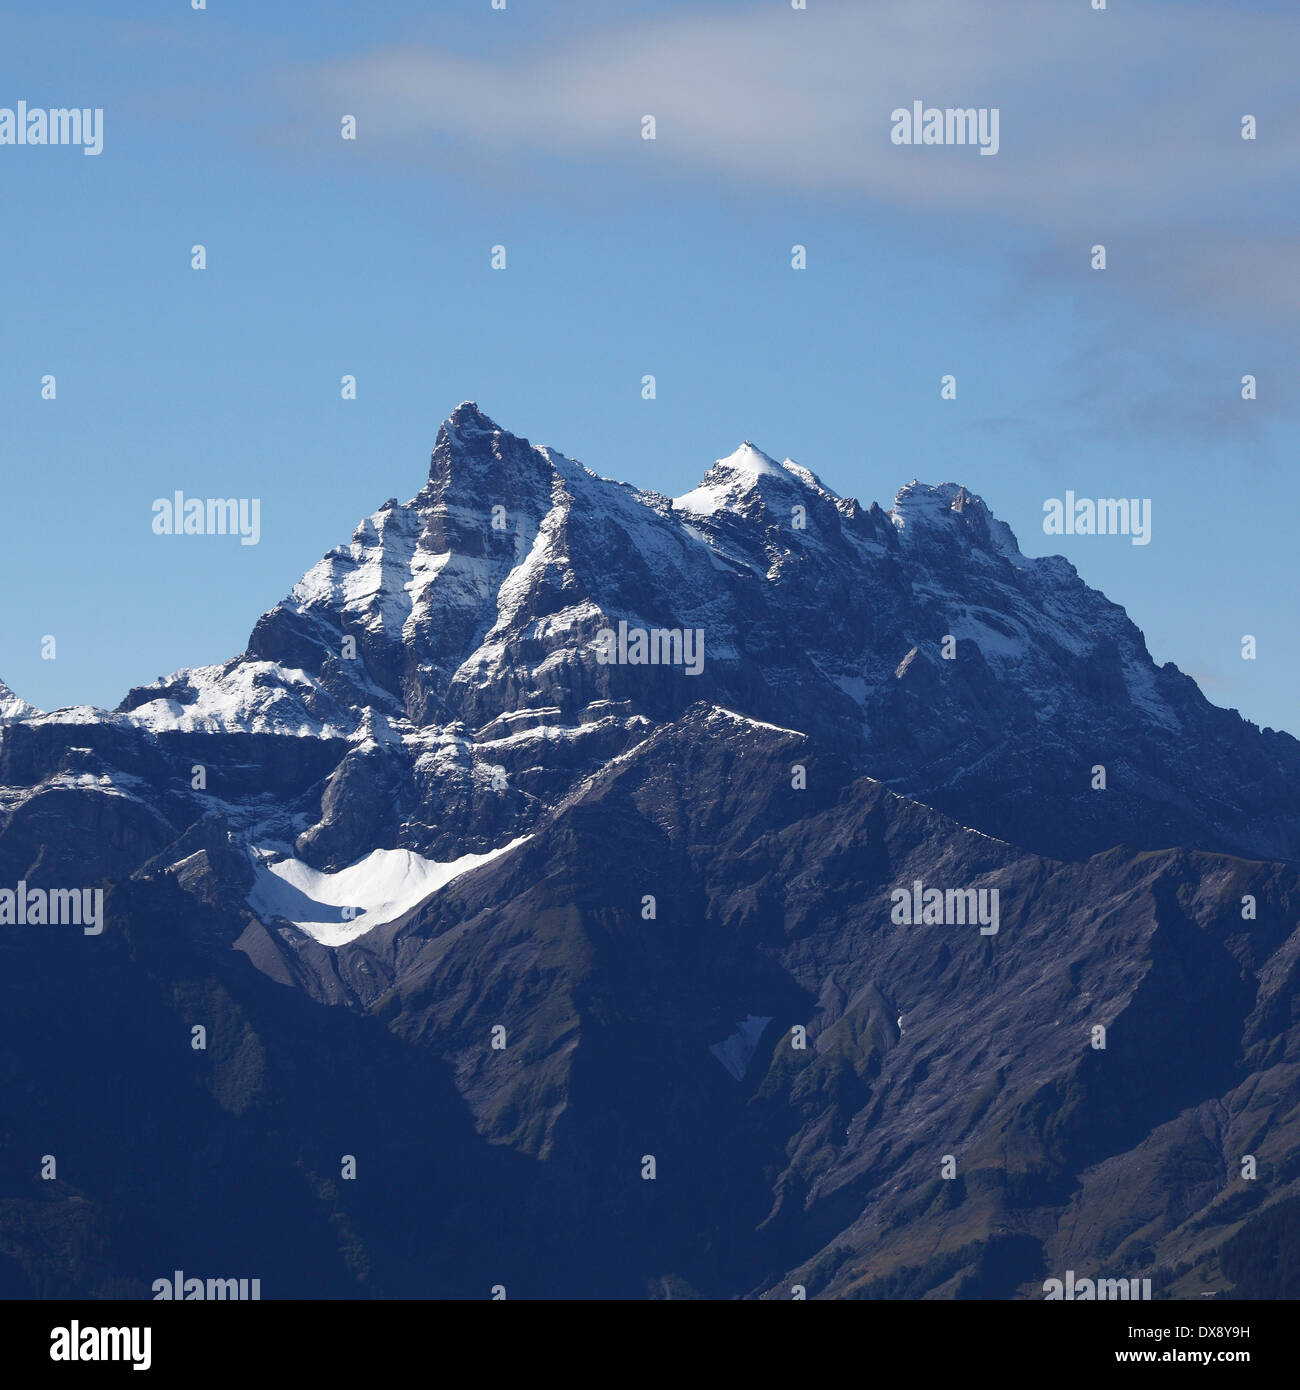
point(424, 811)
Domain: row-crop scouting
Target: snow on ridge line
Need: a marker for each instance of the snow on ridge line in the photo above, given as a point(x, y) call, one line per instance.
point(376, 889)
point(758, 723)
point(749, 459)
point(13, 707)
point(726, 475)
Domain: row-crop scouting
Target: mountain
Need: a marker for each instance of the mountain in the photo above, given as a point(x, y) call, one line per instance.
point(11, 707)
point(439, 802)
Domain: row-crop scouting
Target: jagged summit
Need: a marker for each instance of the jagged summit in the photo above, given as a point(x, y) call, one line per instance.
point(472, 451)
point(949, 511)
point(918, 500)
point(467, 418)
point(466, 428)
point(461, 631)
point(744, 479)
point(738, 482)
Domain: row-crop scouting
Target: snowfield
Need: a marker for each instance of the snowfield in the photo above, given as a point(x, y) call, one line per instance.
point(334, 909)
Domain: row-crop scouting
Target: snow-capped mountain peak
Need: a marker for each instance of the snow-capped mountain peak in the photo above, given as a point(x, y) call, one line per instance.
point(448, 663)
point(949, 510)
point(748, 459)
point(12, 707)
point(467, 419)
point(744, 480)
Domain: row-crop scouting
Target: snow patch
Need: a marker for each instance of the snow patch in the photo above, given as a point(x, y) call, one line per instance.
point(336, 908)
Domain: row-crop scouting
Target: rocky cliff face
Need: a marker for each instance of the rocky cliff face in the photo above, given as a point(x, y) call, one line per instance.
point(427, 801)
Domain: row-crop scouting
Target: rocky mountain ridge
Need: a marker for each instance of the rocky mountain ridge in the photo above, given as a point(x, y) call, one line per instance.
point(425, 801)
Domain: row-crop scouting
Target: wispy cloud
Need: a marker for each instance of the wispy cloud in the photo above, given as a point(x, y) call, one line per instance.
point(1125, 396)
point(1107, 116)
point(1116, 124)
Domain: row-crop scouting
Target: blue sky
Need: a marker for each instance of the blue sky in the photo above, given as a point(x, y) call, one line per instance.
point(626, 257)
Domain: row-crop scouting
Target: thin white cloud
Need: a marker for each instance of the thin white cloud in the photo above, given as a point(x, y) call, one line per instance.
point(1107, 117)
